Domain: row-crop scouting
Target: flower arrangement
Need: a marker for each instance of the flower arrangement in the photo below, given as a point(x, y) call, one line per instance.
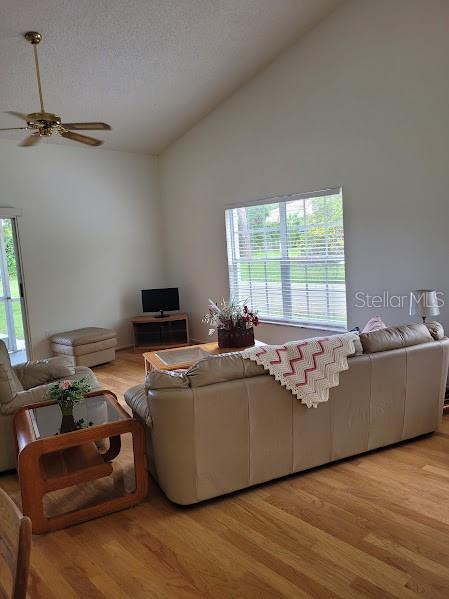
point(68, 393)
point(230, 315)
point(234, 322)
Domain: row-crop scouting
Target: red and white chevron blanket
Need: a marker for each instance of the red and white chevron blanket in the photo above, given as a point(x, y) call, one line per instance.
point(307, 368)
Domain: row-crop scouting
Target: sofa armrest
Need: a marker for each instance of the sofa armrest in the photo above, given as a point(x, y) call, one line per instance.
point(38, 372)
point(83, 372)
point(136, 398)
point(23, 398)
point(38, 394)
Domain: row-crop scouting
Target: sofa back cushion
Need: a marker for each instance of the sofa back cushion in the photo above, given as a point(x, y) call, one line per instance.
point(39, 372)
point(435, 329)
point(395, 338)
point(166, 379)
point(214, 369)
point(228, 367)
point(218, 369)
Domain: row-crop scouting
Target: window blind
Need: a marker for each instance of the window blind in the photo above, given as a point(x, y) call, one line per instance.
point(286, 258)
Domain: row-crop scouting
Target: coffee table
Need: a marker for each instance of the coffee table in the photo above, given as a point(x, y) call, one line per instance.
point(56, 453)
point(183, 357)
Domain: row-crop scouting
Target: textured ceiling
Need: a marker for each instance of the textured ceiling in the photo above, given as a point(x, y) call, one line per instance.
point(150, 68)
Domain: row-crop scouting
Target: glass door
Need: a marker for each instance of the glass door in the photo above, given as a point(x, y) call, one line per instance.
point(12, 308)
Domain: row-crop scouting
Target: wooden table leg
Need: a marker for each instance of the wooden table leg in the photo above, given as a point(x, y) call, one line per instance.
point(140, 461)
point(32, 488)
point(115, 445)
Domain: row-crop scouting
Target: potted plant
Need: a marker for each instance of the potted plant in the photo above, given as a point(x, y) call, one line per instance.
point(67, 394)
point(233, 321)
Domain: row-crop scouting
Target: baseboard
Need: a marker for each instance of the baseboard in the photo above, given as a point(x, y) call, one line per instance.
point(120, 347)
point(192, 342)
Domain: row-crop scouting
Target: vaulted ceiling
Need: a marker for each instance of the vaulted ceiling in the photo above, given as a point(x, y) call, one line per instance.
point(150, 68)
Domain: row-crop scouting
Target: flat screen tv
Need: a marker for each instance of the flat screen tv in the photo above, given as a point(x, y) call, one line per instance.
point(160, 300)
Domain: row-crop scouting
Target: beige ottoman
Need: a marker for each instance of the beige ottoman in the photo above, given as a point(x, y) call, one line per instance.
point(88, 347)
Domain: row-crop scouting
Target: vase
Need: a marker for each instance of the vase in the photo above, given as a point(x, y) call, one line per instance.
point(236, 337)
point(68, 423)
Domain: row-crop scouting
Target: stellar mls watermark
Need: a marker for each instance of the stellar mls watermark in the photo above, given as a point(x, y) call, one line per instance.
point(386, 299)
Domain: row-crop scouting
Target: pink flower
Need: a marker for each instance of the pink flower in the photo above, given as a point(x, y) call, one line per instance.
point(65, 385)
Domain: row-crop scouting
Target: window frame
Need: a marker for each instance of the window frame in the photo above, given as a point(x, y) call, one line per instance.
point(282, 200)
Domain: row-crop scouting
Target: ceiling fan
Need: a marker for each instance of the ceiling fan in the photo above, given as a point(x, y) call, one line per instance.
point(46, 124)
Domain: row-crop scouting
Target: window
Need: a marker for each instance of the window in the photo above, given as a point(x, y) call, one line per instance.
point(286, 258)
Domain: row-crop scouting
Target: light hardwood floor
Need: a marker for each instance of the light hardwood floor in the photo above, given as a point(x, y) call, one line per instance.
point(371, 526)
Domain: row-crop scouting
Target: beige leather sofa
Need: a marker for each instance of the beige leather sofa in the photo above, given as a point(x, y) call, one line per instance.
point(226, 424)
point(27, 384)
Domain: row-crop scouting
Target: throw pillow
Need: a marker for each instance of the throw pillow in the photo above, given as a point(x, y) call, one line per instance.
point(374, 324)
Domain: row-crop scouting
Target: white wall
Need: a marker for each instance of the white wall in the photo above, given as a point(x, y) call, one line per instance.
point(362, 101)
point(90, 235)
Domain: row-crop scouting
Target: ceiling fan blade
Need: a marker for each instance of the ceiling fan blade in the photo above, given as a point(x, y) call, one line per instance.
point(84, 139)
point(30, 141)
point(14, 129)
point(19, 115)
point(87, 126)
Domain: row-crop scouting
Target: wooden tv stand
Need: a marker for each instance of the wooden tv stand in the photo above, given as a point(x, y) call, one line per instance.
point(151, 332)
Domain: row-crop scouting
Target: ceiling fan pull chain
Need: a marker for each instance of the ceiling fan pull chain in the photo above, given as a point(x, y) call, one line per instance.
point(38, 74)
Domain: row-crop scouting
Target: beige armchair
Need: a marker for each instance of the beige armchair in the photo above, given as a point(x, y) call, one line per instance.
point(27, 384)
